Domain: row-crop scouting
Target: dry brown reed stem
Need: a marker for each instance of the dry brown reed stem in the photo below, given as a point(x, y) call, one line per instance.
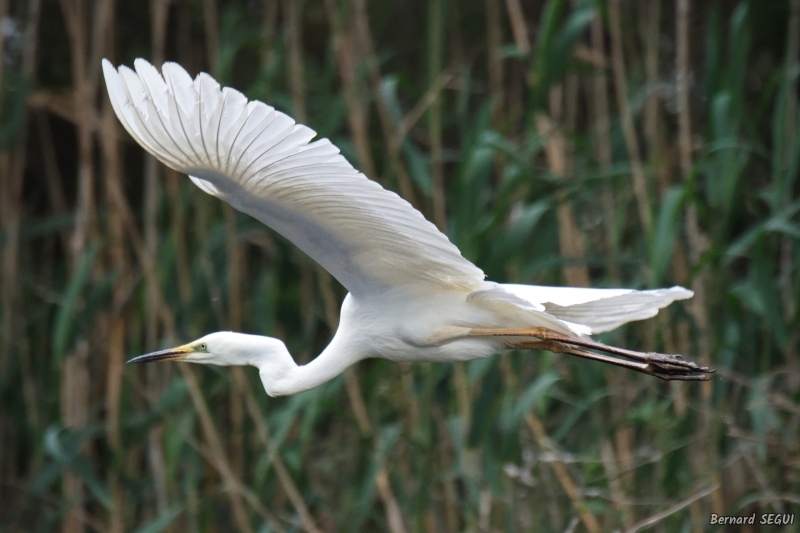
point(357, 111)
point(657, 152)
point(116, 349)
point(294, 38)
point(494, 65)
point(569, 117)
point(29, 391)
point(698, 242)
point(570, 239)
point(651, 26)
point(370, 58)
point(602, 130)
point(60, 104)
point(211, 27)
point(76, 16)
point(269, 24)
point(74, 401)
point(682, 86)
point(55, 182)
point(201, 225)
point(108, 142)
point(519, 27)
point(394, 517)
point(590, 56)
point(112, 170)
point(626, 115)
point(451, 515)
point(173, 180)
point(156, 375)
point(564, 478)
point(706, 457)
point(435, 44)
point(75, 376)
point(234, 253)
point(602, 137)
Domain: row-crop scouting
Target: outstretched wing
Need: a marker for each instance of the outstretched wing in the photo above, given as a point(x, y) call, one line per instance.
point(262, 163)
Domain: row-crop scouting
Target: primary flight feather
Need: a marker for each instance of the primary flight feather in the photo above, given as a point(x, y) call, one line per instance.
point(412, 296)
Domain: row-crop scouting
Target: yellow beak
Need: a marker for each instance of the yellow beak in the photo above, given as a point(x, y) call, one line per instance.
point(170, 354)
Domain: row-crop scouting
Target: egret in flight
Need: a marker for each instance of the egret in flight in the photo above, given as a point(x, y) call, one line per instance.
point(411, 295)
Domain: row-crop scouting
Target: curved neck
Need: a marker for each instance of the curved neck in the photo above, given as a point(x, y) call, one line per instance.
point(282, 376)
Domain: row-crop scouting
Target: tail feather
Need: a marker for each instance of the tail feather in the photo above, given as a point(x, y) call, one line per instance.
point(600, 310)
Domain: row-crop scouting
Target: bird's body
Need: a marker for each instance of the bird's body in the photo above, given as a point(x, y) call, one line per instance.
point(412, 296)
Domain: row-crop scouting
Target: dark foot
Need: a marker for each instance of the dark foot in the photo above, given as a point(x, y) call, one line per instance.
point(674, 367)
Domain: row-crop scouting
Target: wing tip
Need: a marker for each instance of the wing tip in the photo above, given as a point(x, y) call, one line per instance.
point(115, 90)
point(110, 73)
point(680, 293)
point(140, 61)
point(170, 69)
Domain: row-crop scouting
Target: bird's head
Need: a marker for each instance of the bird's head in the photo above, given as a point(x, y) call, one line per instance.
point(224, 348)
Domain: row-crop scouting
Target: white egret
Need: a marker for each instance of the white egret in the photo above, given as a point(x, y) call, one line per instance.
point(412, 296)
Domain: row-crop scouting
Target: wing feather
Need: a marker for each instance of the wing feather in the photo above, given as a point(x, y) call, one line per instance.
point(132, 92)
point(210, 110)
point(264, 164)
point(145, 117)
point(182, 91)
point(233, 119)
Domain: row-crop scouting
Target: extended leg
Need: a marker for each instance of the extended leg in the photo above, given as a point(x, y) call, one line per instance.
point(664, 366)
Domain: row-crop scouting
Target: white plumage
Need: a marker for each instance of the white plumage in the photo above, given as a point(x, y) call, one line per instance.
point(413, 297)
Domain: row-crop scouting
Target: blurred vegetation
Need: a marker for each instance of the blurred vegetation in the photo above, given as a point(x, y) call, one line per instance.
point(601, 143)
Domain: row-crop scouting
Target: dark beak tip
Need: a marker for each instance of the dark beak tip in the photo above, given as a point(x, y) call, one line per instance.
point(163, 355)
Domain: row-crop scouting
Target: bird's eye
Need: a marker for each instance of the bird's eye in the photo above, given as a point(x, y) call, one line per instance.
point(202, 346)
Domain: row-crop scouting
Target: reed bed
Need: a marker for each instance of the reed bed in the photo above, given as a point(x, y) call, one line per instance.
point(601, 143)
